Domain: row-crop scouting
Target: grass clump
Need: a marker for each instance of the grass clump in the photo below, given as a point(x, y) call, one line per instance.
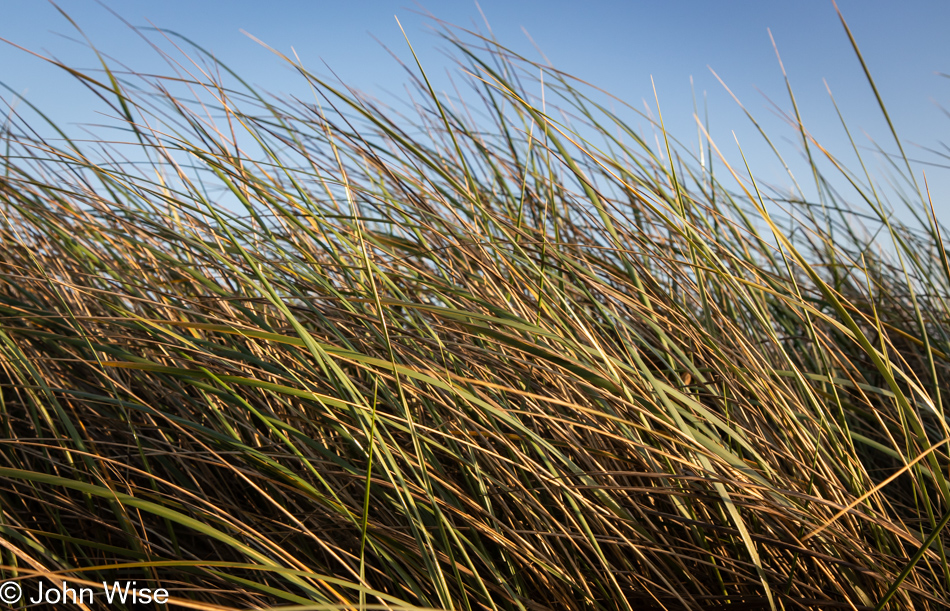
point(267, 352)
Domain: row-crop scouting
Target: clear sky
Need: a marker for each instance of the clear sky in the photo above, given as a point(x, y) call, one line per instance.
point(614, 44)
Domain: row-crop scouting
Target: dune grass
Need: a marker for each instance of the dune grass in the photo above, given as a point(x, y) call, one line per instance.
point(317, 353)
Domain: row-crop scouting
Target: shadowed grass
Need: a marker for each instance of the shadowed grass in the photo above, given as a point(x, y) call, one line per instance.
point(502, 355)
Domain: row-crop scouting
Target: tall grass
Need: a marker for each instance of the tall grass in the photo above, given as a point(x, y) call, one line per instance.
point(498, 355)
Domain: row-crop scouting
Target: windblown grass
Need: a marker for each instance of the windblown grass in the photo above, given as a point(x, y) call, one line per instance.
point(274, 352)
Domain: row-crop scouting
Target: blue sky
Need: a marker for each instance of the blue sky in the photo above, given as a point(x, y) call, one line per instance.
point(616, 45)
